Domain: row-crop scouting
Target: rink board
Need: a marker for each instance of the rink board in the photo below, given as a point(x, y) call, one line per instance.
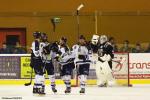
point(11, 66)
point(73, 82)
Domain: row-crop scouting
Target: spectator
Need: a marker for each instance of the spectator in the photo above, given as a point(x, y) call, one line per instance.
point(18, 49)
point(148, 49)
point(5, 49)
point(137, 49)
point(112, 42)
point(125, 47)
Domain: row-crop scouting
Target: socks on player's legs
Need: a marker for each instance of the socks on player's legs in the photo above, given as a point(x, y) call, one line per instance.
point(53, 85)
point(52, 79)
point(83, 80)
point(35, 88)
point(40, 81)
point(67, 81)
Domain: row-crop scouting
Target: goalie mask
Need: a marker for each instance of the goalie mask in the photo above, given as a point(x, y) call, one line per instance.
point(95, 39)
point(103, 39)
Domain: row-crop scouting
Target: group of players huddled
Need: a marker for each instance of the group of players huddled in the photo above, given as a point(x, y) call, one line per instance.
point(44, 52)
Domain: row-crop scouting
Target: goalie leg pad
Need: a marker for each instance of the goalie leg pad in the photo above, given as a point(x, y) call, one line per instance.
point(101, 78)
point(111, 80)
point(108, 73)
point(111, 83)
point(105, 68)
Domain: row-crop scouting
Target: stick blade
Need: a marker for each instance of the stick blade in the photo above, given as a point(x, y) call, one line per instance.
point(27, 84)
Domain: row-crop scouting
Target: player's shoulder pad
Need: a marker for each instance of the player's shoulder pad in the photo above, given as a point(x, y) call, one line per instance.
point(75, 46)
point(67, 48)
point(108, 44)
point(42, 43)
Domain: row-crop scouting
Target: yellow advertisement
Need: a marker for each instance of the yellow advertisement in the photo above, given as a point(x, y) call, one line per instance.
point(25, 67)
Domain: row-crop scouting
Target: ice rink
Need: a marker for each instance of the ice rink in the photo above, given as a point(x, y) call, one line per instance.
point(14, 92)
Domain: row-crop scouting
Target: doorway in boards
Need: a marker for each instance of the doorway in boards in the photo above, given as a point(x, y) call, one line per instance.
point(13, 36)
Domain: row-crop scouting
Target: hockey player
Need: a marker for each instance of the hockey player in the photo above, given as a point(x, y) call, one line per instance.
point(94, 43)
point(66, 63)
point(36, 63)
point(104, 64)
point(93, 50)
point(46, 53)
point(82, 61)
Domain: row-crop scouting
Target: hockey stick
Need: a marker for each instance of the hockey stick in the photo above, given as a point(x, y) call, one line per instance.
point(76, 76)
point(44, 67)
point(27, 84)
point(119, 62)
point(77, 72)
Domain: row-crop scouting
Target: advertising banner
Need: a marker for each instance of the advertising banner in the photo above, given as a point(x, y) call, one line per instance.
point(25, 67)
point(139, 64)
point(9, 67)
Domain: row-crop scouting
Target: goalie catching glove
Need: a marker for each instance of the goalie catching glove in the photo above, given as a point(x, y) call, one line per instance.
point(104, 58)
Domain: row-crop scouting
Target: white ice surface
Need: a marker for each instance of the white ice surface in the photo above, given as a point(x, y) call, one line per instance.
point(92, 93)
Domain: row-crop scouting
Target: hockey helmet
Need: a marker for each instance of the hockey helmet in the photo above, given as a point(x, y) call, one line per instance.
point(82, 40)
point(103, 39)
point(44, 36)
point(64, 39)
point(82, 37)
point(36, 34)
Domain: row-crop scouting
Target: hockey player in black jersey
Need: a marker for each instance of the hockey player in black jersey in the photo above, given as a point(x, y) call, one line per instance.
point(36, 63)
point(46, 54)
point(104, 63)
point(94, 44)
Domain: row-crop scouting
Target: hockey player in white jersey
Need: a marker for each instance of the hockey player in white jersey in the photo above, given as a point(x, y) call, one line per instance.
point(36, 64)
point(104, 63)
point(82, 61)
point(67, 64)
point(46, 53)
